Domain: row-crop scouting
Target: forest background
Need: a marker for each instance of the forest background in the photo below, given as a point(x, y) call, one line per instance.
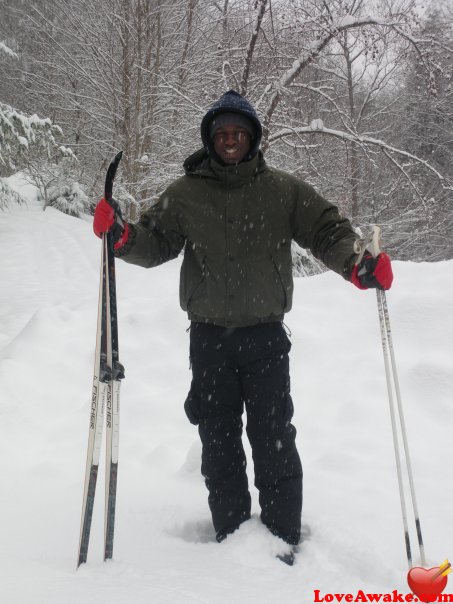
point(355, 96)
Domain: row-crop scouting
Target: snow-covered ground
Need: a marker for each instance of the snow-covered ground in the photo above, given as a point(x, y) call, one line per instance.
point(165, 550)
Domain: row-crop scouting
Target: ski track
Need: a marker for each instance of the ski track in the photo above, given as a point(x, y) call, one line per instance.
point(165, 549)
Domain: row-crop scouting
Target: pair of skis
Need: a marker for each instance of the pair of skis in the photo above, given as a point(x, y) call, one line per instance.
point(105, 401)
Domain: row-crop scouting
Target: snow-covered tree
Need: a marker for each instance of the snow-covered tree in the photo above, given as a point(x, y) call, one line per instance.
point(8, 196)
point(68, 197)
point(326, 78)
point(20, 135)
point(426, 129)
point(57, 180)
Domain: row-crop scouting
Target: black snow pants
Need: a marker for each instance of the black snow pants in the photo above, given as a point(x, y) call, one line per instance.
point(233, 368)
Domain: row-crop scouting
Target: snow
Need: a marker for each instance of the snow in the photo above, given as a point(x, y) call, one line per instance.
point(164, 543)
point(317, 124)
point(345, 21)
point(7, 50)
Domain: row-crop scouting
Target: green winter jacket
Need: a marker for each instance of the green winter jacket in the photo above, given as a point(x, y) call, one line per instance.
point(236, 224)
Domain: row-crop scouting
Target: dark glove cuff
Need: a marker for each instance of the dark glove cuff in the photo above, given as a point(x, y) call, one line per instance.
point(124, 249)
point(117, 231)
point(349, 267)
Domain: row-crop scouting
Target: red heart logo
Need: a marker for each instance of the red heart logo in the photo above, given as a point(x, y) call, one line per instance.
point(426, 584)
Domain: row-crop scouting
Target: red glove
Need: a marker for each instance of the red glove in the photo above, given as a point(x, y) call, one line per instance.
point(107, 218)
point(373, 272)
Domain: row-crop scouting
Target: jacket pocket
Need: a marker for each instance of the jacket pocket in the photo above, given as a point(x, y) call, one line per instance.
point(283, 267)
point(192, 279)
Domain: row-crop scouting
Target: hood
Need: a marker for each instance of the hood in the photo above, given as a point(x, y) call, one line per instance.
point(231, 102)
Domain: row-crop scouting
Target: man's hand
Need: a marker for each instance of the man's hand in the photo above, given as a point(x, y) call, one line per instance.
point(373, 272)
point(108, 219)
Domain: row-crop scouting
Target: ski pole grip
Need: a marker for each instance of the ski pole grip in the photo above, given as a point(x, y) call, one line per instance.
point(375, 246)
point(370, 243)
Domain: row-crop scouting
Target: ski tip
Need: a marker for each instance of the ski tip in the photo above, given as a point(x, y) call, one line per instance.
point(118, 156)
point(82, 557)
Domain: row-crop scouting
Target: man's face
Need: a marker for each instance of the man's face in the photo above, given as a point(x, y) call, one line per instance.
point(231, 143)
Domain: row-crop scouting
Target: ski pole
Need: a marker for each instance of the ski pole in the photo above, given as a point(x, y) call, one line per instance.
point(371, 243)
point(113, 396)
point(383, 312)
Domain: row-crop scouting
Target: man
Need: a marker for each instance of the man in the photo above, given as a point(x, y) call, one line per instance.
point(235, 218)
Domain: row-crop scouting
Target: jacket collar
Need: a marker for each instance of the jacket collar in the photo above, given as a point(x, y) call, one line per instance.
point(201, 165)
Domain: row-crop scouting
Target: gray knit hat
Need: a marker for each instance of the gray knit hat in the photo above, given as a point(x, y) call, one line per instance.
point(230, 117)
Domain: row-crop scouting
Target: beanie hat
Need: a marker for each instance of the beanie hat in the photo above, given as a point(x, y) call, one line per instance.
point(230, 118)
point(231, 103)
